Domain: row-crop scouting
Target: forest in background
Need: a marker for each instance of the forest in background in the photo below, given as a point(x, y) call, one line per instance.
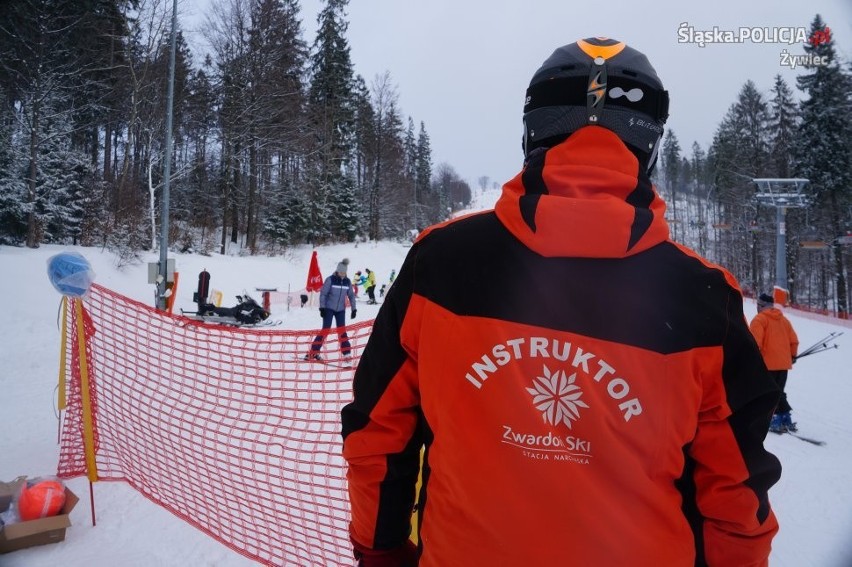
point(713, 201)
point(278, 141)
point(275, 142)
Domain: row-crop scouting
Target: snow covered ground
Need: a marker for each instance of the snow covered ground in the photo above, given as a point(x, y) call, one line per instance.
point(813, 500)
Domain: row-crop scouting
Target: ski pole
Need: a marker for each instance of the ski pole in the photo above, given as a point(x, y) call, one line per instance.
point(819, 346)
point(828, 347)
point(821, 343)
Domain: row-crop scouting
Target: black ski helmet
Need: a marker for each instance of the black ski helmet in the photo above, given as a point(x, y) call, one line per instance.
point(596, 81)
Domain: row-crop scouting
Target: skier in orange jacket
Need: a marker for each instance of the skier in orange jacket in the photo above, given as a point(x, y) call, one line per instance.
point(779, 345)
point(606, 404)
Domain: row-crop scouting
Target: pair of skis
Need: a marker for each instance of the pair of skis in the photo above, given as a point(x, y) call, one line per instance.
point(810, 440)
point(819, 346)
point(339, 363)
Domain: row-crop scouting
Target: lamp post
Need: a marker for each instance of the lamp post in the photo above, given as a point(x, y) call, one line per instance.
point(162, 280)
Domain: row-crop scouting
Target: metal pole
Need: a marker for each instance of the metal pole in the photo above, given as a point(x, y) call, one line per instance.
point(781, 250)
point(167, 172)
point(92, 503)
point(415, 207)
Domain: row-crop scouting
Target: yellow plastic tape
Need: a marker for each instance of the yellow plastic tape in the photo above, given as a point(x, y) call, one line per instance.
point(415, 516)
point(88, 428)
point(62, 402)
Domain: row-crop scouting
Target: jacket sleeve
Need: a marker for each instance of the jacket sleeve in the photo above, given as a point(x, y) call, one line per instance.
point(351, 294)
point(382, 427)
point(325, 291)
point(757, 330)
point(731, 471)
point(794, 339)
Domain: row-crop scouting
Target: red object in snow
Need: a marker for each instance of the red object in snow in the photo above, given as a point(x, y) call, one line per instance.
point(314, 275)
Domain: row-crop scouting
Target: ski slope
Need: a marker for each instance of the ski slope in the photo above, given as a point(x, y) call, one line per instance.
point(813, 500)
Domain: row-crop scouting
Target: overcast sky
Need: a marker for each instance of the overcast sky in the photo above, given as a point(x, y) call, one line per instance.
point(462, 66)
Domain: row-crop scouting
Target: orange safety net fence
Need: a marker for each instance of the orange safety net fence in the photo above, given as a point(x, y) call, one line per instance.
point(229, 429)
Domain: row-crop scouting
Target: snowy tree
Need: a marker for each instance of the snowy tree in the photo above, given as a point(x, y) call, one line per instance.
point(331, 115)
point(699, 183)
point(386, 193)
point(740, 153)
point(365, 137)
point(782, 126)
point(423, 184)
point(671, 158)
point(448, 192)
point(66, 183)
point(13, 191)
point(824, 139)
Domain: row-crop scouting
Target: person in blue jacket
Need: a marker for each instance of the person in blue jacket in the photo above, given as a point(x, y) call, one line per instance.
point(335, 290)
point(358, 280)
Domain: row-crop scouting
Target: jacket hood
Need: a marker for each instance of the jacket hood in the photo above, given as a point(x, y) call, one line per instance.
point(771, 312)
point(584, 197)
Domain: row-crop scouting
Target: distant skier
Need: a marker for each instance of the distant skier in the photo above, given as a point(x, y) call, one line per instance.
point(370, 286)
point(779, 345)
point(335, 290)
point(358, 280)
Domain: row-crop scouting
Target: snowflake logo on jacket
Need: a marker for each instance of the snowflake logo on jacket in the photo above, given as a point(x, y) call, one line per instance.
point(557, 397)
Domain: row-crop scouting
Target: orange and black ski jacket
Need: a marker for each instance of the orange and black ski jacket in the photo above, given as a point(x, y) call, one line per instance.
point(605, 404)
point(776, 338)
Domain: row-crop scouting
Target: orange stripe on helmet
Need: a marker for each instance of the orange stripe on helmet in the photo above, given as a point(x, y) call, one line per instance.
point(604, 51)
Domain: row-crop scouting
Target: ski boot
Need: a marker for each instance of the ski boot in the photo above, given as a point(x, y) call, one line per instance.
point(777, 424)
point(313, 356)
point(787, 422)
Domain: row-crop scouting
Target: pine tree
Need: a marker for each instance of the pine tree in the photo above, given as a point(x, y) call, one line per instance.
point(824, 138)
point(38, 64)
point(276, 60)
point(410, 147)
point(331, 115)
point(740, 153)
point(753, 114)
point(13, 192)
point(198, 206)
point(365, 138)
point(385, 201)
point(782, 126)
point(423, 185)
point(672, 167)
point(700, 184)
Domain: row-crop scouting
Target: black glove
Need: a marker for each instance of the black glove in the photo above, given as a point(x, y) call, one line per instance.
point(403, 556)
point(322, 312)
point(354, 312)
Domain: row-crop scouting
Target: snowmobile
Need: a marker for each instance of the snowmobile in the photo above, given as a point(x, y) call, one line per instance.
point(246, 312)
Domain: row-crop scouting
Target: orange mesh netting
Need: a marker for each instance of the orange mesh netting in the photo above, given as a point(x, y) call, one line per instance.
point(226, 428)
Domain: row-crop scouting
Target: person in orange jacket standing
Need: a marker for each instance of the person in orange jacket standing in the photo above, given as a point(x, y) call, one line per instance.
point(779, 346)
point(605, 404)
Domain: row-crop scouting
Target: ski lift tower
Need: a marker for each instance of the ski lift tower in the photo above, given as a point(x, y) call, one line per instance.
point(783, 194)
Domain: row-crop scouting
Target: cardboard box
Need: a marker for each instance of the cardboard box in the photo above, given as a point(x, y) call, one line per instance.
point(7, 490)
point(21, 535)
